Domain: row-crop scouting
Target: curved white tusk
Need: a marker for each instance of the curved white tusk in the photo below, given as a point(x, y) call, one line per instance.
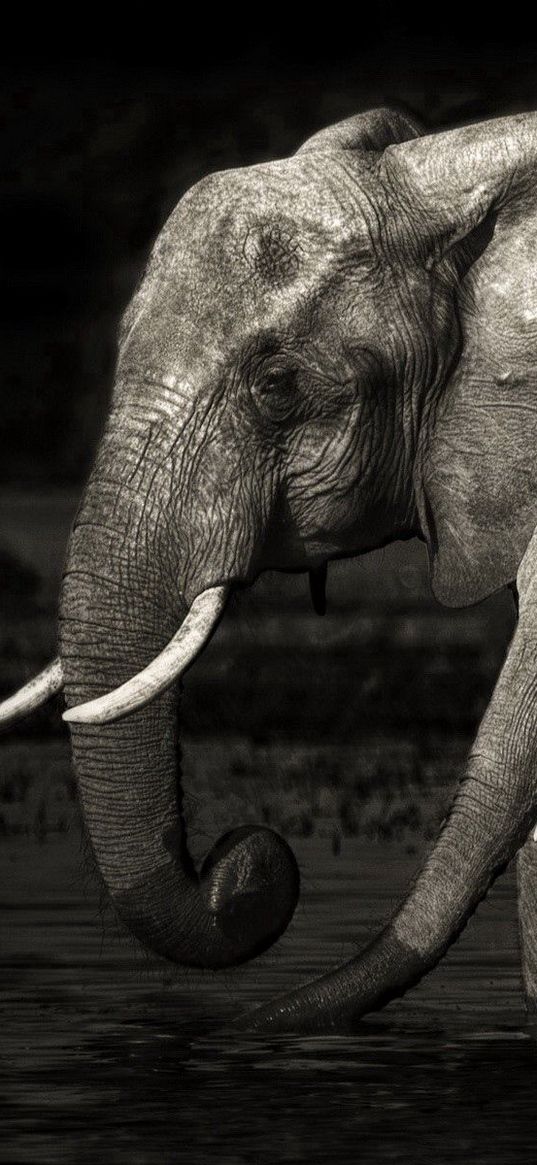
point(33, 694)
point(162, 671)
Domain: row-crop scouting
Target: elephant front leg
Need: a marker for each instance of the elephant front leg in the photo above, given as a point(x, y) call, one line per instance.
point(527, 918)
point(527, 900)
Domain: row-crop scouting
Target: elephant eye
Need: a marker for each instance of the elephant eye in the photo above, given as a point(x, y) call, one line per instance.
point(281, 381)
point(275, 391)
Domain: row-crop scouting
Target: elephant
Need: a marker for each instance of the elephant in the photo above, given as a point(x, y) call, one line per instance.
point(326, 353)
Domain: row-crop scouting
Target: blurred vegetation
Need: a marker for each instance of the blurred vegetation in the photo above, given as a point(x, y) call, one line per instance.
point(373, 791)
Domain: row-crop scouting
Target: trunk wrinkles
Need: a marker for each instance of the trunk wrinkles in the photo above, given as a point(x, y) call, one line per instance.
point(119, 608)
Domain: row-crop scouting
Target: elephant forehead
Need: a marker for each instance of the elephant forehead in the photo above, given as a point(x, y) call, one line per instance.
point(247, 255)
point(242, 250)
point(317, 198)
point(266, 225)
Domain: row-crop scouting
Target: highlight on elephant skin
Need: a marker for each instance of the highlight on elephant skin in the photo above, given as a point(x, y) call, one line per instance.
point(326, 353)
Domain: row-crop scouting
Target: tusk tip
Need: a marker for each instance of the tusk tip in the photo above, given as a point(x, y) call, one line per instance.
point(71, 716)
point(81, 715)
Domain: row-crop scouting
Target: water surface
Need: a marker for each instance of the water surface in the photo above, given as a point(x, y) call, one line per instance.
point(108, 1055)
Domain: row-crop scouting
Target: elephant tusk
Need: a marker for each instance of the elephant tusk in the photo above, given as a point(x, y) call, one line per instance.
point(33, 694)
point(178, 654)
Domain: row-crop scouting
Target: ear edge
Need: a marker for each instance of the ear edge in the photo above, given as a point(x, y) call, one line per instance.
point(372, 130)
point(439, 236)
point(451, 181)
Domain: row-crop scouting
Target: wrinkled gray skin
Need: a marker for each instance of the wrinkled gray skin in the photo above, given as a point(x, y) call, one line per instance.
point(326, 353)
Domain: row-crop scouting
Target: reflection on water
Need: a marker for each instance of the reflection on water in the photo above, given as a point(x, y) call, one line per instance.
point(107, 1056)
point(151, 1093)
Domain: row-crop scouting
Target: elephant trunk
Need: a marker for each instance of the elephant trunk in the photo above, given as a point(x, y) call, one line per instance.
point(492, 814)
point(121, 603)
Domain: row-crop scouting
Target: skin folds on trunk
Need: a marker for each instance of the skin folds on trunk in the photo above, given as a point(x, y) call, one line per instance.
point(118, 611)
point(166, 667)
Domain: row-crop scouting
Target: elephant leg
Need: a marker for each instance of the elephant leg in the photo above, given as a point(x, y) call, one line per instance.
point(527, 901)
point(527, 917)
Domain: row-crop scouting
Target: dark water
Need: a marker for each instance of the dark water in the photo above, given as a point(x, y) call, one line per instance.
point(110, 1056)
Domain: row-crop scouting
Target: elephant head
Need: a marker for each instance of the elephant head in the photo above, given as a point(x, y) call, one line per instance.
point(281, 370)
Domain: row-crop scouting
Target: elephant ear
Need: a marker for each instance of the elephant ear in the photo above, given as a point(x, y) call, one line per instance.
point(452, 181)
point(476, 476)
point(373, 130)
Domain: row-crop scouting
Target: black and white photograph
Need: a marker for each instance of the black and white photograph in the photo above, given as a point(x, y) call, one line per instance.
point(268, 587)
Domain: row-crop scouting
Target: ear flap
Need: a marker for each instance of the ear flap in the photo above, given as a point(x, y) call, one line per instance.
point(450, 182)
point(373, 130)
point(475, 479)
